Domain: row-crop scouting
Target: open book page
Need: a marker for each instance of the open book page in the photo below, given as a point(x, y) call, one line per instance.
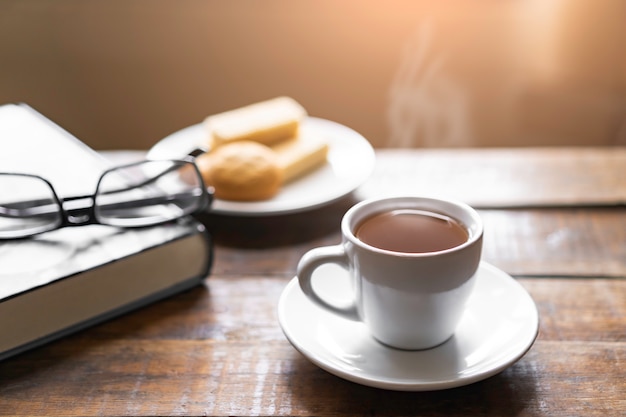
point(32, 144)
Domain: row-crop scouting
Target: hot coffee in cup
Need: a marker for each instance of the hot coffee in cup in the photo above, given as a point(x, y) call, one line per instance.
point(412, 262)
point(411, 231)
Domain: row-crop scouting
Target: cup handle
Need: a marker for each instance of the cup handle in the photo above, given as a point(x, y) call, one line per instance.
point(310, 262)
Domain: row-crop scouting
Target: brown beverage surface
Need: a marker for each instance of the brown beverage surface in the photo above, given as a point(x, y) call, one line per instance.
point(411, 231)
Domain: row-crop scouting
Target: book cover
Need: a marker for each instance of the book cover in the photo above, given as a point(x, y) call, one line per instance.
point(59, 282)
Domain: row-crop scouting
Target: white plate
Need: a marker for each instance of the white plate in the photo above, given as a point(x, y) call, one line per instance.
point(350, 162)
point(500, 325)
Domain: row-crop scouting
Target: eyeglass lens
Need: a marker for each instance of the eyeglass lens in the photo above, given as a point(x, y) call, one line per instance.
point(27, 206)
point(148, 193)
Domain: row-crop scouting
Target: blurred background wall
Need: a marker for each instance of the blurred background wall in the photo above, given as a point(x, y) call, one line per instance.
point(126, 73)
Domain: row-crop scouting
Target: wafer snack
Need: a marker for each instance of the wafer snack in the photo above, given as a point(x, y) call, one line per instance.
point(300, 155)
point(267, 122)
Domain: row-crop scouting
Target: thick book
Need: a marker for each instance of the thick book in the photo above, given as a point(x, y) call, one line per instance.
point(65, 280)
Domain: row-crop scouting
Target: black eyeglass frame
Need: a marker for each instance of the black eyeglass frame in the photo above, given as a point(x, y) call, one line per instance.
point(87, 214)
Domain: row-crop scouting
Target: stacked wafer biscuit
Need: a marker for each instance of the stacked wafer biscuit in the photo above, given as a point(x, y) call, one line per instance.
point(258, 148)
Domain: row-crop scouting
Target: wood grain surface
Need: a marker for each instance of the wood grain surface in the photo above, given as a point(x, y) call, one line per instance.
point(218, 349)
point(504, 177)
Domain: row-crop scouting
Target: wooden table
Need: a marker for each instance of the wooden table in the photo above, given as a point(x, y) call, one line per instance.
point(555, 220)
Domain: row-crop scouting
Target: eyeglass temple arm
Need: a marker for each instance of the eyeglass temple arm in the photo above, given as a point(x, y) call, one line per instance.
point(143, 183)
point(191, 156)
point(148, 201)
point(50, 208)
point(14, 210)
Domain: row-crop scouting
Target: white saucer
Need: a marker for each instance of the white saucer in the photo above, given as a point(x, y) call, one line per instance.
point(500, 325)
point(350, 162)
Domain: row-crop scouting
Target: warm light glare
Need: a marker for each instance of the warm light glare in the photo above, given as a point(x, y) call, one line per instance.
point(402, 73)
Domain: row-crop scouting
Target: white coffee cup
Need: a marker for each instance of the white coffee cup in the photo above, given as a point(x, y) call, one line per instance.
point(407, 300)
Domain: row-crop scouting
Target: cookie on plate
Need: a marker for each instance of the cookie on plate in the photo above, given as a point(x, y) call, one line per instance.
point(241, 171)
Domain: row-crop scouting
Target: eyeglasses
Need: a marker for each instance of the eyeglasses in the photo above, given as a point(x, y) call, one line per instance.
point(134, 195)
